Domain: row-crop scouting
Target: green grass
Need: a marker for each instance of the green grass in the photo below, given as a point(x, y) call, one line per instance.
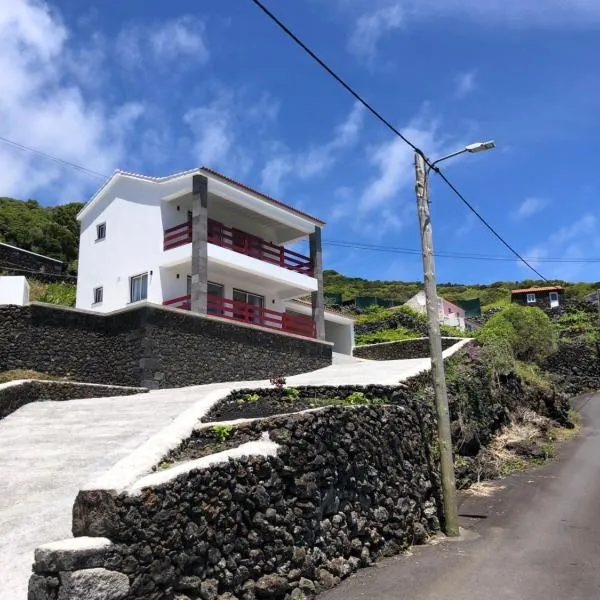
point(58, 292)
point(386, 335)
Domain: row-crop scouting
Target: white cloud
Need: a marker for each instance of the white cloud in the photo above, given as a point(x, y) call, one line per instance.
point(529, 207)
point(161, 44)
point(393, 161)
point(464, 84)
point(575, 241)
point(315, 160)
point(370, 27)
point(43, 105)
point(522, 13)
point(222, 126)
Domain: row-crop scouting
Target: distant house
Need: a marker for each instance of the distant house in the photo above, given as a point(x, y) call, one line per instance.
point(448, 312)
point(542, 297)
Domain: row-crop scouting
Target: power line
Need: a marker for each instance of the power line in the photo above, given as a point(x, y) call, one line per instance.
point(53, 158)
point(454, 255)
point(387, 123)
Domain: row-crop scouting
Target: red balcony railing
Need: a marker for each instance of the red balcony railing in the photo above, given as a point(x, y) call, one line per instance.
point(248, 313)
point(242, 242)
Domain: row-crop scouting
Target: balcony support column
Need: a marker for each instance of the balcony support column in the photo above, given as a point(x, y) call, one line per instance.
point(318, 298)
point(199, 244)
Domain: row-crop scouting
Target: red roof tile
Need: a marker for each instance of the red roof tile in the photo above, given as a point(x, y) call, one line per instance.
point(552, 288)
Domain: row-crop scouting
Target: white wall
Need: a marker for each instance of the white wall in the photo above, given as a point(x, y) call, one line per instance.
point(14, 290)
point(135, 217)
point(342, 336)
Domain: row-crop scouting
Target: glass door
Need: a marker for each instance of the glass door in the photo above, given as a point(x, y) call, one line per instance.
point(254, 300)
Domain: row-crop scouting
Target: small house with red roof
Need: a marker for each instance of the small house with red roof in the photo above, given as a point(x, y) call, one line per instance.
point(543, 297)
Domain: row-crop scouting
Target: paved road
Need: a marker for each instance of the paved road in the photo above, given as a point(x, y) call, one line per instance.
point(539, 540)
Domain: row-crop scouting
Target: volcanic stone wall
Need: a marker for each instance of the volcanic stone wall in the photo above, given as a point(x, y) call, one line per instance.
point(346, 486)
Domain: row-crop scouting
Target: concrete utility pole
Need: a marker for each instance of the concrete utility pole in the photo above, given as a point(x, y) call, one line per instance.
point(451, 527)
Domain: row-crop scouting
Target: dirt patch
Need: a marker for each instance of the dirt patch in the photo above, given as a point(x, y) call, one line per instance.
point(267, 402)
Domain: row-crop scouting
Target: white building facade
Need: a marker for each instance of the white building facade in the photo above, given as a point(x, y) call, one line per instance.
point(200, 241)
point(448, 313)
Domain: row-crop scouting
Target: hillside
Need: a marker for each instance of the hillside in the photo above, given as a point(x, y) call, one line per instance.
point(49, 230)
point(494, 294)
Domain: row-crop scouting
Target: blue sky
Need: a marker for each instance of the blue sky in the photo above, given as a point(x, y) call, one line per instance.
point(158, 87)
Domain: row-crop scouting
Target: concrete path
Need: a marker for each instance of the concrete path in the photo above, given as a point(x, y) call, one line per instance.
point(536, 538)
point(49, 450)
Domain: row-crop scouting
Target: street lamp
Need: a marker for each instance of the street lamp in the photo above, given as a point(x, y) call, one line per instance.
point(451, 525)
point(471, 148)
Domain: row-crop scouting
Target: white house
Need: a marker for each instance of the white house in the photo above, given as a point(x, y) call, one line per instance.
point(448, 313)
point(199, 241)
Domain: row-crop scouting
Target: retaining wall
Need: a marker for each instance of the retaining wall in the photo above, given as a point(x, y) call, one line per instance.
point(402, 349)
point(149, 346)
point(322, 494)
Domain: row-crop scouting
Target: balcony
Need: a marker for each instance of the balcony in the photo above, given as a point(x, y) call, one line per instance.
point(242, 242)
point(248, 313)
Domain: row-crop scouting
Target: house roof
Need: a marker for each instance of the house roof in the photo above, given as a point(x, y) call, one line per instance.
point(551, 288)
point(460, 308)
point(210, 172)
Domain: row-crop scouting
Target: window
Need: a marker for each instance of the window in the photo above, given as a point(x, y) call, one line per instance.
point(138, 287)
point(215, 292)
point(530, 298)
point(100, 231)
point(254, 300)
point(98, 295)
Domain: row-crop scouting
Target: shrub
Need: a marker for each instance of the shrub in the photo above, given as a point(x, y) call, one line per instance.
point(278, 382)
point(292, 393)
point(222, 432)
point(58, 292)
point(528, 331)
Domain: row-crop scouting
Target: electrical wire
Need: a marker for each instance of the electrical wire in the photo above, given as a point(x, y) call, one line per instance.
point(53, 158)
point(453, 255)
point(387, 123)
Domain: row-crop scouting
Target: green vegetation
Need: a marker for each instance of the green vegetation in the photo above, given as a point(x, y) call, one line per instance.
point(579, 324)
point(386, 335)
point(165, 464)
point(528, 331)
point(493, 295)
point(222, 432)
point(292, 393)
point(58, 292)
point(354, 399)
point(49, 230)
point(247, 398)
point(15, 374)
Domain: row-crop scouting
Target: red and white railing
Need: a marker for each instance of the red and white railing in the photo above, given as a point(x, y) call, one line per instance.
point(242, 242)
point(248, 313)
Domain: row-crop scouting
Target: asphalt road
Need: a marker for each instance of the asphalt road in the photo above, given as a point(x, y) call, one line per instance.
point(536, 538)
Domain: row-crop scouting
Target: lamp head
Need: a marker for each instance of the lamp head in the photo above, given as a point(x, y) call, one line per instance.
point(480, 146)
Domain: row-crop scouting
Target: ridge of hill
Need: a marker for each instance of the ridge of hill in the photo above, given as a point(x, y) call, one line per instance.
point(491, 295)
point(49, 230)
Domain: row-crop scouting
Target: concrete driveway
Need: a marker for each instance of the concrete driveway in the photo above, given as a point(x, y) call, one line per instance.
point(49, 450)
point(536, 538)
